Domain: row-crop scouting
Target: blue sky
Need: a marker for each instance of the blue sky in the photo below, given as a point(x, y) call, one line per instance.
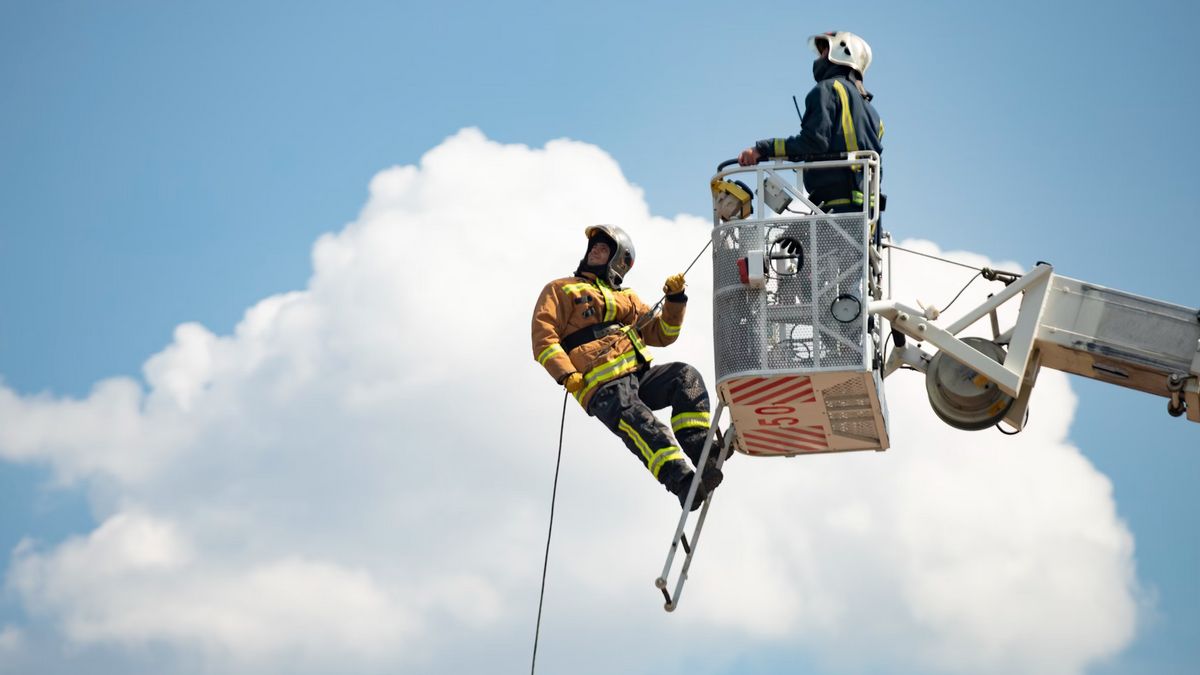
point(163, 163)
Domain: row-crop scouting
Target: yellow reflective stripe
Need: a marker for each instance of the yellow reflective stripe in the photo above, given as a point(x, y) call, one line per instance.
point(610, 303)
point(637, 441)
point(549, 352)
point(847, 118)
point(633, 337)
point(660, 459)
point(881, 130)
point(607, 371)
point(600, 371)
point(575, 288)
point(689, 420)
point(856, 197)
point(780, 147)
point(638, 345)
point(668, 329)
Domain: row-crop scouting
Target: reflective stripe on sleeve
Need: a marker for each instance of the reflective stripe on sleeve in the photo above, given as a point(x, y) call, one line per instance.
point(856, 197)
point(780, 147)
point(690, 420)
point(668, 329)
point(549, 353)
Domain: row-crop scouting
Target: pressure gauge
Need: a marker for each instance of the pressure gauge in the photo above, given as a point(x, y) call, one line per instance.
point(846, 308)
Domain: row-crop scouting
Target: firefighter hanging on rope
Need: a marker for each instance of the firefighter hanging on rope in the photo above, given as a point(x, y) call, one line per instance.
point(591, 335)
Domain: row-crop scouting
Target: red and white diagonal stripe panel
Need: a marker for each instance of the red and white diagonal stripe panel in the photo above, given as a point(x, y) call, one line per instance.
point(785, 440)
point(757, 391)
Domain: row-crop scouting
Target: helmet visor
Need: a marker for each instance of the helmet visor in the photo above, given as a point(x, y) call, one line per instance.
point(816, 42)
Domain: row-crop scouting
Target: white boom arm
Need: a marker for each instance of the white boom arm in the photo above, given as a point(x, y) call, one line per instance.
point(1064, 324)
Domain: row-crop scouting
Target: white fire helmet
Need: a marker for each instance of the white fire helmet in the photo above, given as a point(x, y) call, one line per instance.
point(845, 48)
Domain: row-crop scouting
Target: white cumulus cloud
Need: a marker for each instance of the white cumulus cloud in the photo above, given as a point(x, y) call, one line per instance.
point(358, 477)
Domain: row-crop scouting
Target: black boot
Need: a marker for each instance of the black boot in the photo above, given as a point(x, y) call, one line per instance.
point(680, 484)
point(693, 447)
point(712, 475)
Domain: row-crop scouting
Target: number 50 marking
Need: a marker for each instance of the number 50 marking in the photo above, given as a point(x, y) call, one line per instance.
point(771, 416)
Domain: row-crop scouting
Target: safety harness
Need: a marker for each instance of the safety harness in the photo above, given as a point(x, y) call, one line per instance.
point(589, 334)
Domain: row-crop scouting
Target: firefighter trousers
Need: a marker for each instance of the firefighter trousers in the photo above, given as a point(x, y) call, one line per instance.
point(627, 404)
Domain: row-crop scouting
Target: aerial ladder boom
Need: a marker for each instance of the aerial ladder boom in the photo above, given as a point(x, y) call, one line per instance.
point(1123, 339)
point(1064, 324)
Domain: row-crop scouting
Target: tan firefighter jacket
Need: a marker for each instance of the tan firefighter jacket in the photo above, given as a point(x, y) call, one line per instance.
point(572, 304)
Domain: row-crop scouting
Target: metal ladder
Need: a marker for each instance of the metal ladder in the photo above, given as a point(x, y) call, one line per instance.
point(680, 539)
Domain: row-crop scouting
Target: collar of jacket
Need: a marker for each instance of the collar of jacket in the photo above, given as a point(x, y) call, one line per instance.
point(595, 278)
point(594, 271)
point(824, 69)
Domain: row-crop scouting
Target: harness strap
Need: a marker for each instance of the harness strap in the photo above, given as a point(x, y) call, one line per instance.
point(588, 334)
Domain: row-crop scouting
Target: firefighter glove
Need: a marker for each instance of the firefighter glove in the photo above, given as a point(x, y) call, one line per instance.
point(674, 285)
point(574, 382)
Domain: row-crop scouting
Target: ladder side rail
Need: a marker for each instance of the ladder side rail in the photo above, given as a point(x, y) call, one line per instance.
point(661, 581)
point(687, 561)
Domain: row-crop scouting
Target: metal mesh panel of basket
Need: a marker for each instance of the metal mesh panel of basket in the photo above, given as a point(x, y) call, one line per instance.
point(731, 242)
point(787, 325)
point(838, 265)
point(737, 331)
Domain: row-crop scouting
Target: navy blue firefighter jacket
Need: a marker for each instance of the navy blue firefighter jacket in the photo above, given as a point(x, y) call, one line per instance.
point(837, 118)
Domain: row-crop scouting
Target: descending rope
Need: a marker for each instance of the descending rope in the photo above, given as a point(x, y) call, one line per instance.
point(546, 560)
point(554, 493)
point(985, 272)
point(952, 262)
point(642, 322)
point(689, 267)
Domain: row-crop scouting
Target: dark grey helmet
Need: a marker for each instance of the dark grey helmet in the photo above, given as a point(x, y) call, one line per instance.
point(621, 260)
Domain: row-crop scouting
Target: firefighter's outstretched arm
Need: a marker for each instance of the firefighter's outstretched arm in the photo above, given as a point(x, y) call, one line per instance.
point(663, 328)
